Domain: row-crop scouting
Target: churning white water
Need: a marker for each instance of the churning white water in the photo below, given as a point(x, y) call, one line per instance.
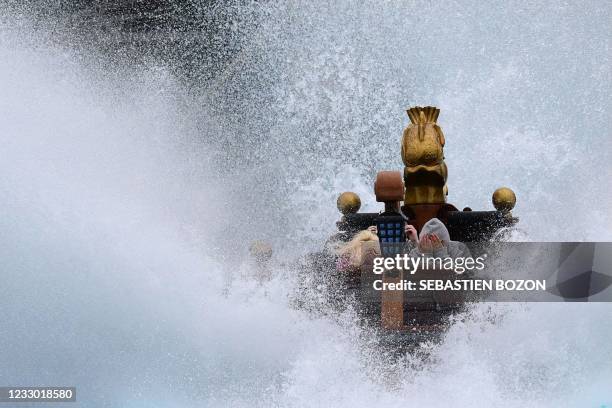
point(129, 196)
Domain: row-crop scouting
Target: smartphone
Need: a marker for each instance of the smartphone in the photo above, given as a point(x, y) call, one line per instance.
point(391, 234)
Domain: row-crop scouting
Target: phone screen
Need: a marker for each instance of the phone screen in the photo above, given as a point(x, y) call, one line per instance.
point(391, 234)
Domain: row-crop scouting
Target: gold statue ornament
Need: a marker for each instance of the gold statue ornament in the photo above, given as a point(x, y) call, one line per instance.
point(425, 173)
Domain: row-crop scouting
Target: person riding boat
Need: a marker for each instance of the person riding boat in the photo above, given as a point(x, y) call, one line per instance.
point(434, 241)
point(351, 254)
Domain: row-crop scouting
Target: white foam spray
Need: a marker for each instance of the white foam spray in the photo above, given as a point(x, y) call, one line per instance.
point(120, 188)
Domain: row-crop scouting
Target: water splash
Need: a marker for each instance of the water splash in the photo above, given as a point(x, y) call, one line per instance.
point(121, 184)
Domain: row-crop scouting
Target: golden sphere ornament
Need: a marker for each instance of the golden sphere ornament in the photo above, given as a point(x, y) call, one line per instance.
point(504, 199)
point(348, 202)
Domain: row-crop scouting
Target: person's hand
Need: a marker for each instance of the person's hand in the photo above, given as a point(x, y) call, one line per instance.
point(411, 233)
point(429, 243)
point(425, 244)
point(373, 229)
point(436, 243)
